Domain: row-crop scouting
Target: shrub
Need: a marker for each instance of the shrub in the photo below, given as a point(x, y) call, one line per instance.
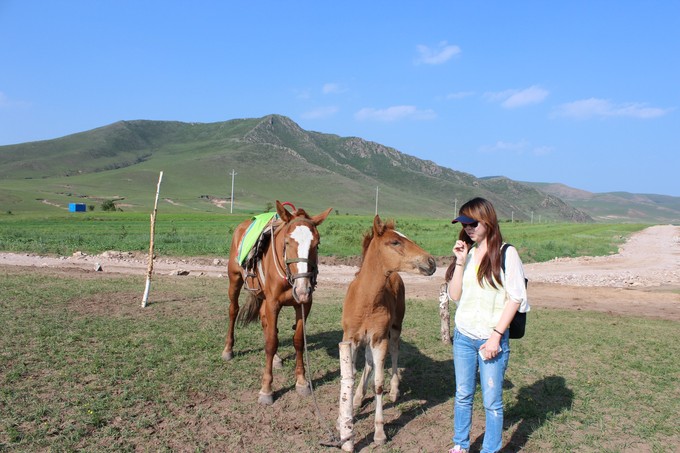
point(108, 205)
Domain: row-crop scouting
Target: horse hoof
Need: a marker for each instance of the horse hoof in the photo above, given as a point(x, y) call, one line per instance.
point(227, 356)
point(380, 440)
point(303, 389)
point(277, 362)
point(266, 399)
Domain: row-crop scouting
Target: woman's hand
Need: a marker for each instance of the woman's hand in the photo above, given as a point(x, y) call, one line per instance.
point(460, 250)
point(489, 350)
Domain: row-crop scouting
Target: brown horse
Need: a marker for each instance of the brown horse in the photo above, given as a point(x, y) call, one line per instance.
point(285, 276)
point(374, 308)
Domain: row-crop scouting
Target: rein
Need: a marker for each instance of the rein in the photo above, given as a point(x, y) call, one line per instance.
point(333, 441)
point(284, 272)
point(290, 277)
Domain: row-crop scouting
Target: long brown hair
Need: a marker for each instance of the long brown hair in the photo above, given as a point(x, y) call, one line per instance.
point(483, 211)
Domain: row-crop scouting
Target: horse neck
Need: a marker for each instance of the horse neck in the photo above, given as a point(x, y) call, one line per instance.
point(372, 272)
point(273, 257)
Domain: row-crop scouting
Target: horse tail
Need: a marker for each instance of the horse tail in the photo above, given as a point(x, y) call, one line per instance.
point(250, 310)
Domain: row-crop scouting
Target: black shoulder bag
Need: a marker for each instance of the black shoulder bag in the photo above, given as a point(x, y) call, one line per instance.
point(519, 322)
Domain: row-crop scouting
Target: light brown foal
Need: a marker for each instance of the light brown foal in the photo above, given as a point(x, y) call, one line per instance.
point(374, 308)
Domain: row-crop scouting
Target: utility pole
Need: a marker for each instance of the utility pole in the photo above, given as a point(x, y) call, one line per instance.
point(376, 199)
point(532, 217)
point(231, 207)
point(455, 207)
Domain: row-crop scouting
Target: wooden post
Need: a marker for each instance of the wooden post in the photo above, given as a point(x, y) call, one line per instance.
point(444, 315)
point(149, 269)
point(345, 422)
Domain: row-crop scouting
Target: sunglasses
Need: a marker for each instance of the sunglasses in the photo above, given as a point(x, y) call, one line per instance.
point(472, 225)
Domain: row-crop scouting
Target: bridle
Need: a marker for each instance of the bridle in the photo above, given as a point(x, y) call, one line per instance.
point(284, 270)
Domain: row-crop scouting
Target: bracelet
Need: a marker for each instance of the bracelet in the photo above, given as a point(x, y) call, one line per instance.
point(494, 329)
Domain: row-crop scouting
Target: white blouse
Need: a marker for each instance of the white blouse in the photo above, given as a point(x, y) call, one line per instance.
point(480, 306)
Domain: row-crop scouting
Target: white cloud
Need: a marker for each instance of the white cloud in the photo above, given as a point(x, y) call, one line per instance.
point(321, 112)
point(332, 88)
point(531, 95)
point(593, 107)
point(443, 53)
point(394, 113)
point(511, 99)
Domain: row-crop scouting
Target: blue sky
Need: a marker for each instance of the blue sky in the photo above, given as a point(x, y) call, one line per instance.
point(585, 93)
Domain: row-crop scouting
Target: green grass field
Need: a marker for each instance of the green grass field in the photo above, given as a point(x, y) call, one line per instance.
point(84, 368)
point(205, 234)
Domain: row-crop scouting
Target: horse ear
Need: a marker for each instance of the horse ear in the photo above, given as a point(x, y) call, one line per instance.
point(283, 212)
point(318, 219)
point(378, 226)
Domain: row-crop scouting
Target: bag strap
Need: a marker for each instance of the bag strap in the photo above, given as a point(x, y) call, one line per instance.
point(504, 247)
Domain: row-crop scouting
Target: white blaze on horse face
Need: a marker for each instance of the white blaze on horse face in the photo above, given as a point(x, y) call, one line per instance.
point(401, 234)
point(303, 236)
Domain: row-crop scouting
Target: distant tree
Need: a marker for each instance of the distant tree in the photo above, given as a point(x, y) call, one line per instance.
point(108, 205)
point(90, 207)
point(268, 207)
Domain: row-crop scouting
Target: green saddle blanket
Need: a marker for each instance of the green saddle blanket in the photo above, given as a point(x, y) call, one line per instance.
point(253, 233)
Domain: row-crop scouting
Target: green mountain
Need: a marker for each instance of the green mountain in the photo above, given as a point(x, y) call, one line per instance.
point(618, 206)
point(272, 157)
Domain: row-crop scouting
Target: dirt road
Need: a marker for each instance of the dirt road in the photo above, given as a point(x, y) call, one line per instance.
point(642, 279)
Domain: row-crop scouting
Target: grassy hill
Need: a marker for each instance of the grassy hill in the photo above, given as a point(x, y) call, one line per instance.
point(273, 158)
point(618, 206)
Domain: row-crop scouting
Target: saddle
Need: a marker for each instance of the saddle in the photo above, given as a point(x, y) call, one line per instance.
point(253, 245)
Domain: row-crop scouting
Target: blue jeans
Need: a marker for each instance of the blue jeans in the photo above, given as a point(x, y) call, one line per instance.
point(466, 363)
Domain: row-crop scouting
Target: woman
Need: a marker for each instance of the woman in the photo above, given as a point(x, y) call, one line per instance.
point(487, 300)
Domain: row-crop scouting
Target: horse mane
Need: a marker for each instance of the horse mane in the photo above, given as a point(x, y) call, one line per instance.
point(368, 237)
point(301, 212)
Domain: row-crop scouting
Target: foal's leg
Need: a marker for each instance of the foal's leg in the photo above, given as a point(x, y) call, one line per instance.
point(363, 382)
point(235, 285)
point(394, 354)
point(395, 335)
point(379, 353)
point(301, 384)
point(269, 317)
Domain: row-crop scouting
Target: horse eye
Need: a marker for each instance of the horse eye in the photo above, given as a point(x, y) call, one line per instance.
point(396, 242)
